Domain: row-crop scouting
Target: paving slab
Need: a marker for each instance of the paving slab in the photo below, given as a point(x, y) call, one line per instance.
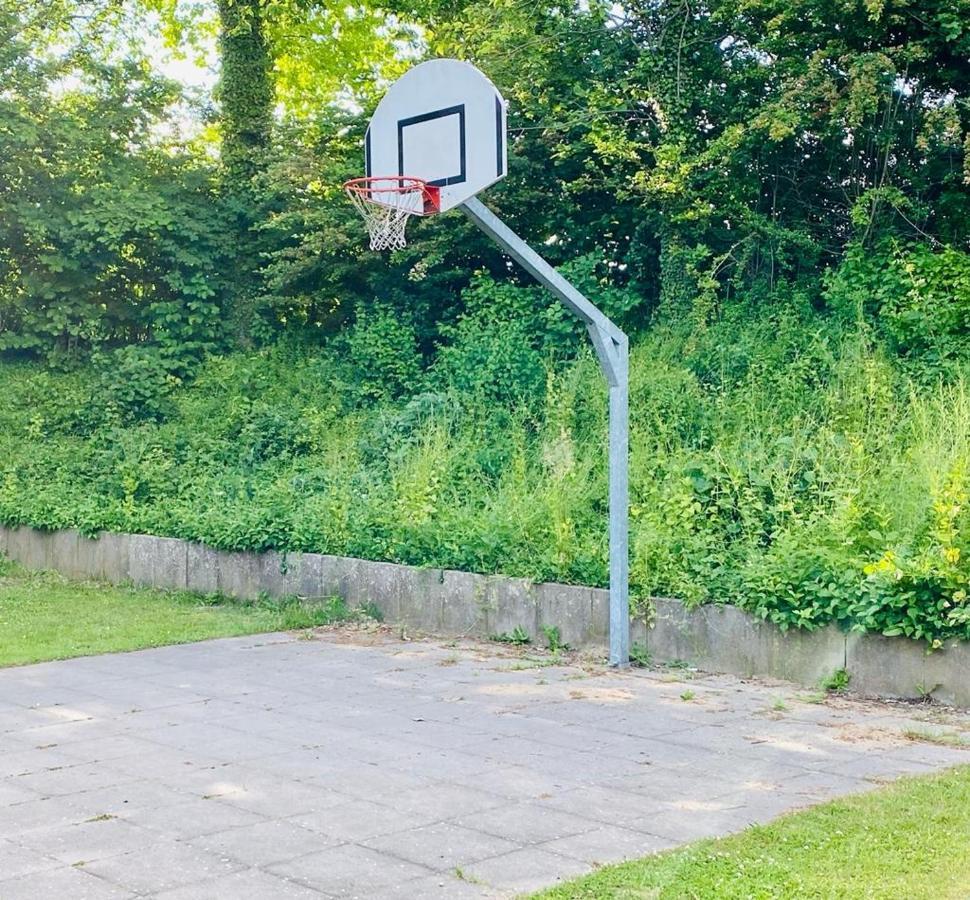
point(249, 884)
point(350, 870)
point(527, 869)
point(357, 764)
point(263, 843)
point(16, 860)
point(608, 844)
point(74, 883)
point(80, 843)
point(164, 865)
point(443, 846)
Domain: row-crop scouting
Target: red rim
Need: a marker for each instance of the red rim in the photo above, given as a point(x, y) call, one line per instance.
point(365, 188)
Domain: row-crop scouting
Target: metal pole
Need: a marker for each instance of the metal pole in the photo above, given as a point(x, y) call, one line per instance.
point(612, 349)
point(619, 511)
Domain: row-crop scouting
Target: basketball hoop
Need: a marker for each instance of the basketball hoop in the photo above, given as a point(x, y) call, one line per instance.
point(387, 202)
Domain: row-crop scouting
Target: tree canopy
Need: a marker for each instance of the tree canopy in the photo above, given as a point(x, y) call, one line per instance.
point(688, 154)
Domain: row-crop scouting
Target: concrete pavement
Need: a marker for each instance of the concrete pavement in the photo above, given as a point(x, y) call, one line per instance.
point(355, 764)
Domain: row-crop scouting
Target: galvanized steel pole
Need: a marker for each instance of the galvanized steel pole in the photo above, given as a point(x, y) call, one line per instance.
point(612, 349)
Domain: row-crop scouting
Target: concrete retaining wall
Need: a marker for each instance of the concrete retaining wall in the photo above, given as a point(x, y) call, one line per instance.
point(440, 601)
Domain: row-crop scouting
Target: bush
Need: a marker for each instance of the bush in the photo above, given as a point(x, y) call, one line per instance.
point(133, 385)
point(384, 354)
point(107, 235)
point(918, 298)
point(499, 349)
point(930, 318)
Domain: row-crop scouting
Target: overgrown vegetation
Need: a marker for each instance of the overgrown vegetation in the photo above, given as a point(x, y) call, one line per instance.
point(771, 199)
point(43, 616)
point(907, 840)
point(778, 463)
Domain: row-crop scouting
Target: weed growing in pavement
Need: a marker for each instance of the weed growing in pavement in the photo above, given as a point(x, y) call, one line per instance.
point(837, 682)
point(554, 640)
point(518, 636)
point(640, 656)
point(942, 738)
point(815, 697)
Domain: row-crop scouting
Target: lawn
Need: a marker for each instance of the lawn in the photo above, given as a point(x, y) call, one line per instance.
point(44, 616)
point(910, 840)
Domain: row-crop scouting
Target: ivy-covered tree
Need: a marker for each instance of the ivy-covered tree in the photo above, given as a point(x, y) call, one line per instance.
point(245, 89)
point(300, 56)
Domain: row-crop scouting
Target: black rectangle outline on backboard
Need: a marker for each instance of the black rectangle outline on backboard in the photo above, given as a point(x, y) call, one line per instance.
point(499, 140)
point(427, 117)
point(367, 165)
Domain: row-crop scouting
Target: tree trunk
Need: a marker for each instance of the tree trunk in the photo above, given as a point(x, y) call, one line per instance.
point(246, 96)
point(245, 91)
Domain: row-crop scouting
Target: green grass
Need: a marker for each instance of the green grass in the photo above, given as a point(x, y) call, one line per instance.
point(910, 840)
point(44, 616)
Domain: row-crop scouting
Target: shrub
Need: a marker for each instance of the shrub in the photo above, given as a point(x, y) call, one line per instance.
point(133, 385)
point(384, 353)
point(498, 351)
point(918, 297)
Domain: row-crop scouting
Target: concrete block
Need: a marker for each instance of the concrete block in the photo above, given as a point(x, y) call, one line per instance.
point(202, 569)
point(339, 577)
point(726, 639)
point(419, 598)
point(114, 557)
point(304, 575)
point(638, 631)
point(889, 667)
point(729, 640)
point(4, 539)
point(947, 673)
point(29, 548)
point(63, 552)
point(13, 544)
point(510, 603)
point(568, 608)
point(599, 618)
point(806, 657)
point(270, 570)
point(37, 549)
point(239, 575)
point(169, 564)
point(141, 558)
point(17, 547)
point(460, 610)
point(89, 563)
point(379, 583)
point(17, 543)
point(715, 638)
point(672, 636)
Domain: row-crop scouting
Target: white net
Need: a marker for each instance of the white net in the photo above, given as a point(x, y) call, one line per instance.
point(385, 205)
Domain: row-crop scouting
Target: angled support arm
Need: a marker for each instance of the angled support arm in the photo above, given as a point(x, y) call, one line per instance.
point(612, 350)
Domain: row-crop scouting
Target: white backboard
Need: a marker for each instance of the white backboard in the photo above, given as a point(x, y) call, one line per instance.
point(442, 121)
